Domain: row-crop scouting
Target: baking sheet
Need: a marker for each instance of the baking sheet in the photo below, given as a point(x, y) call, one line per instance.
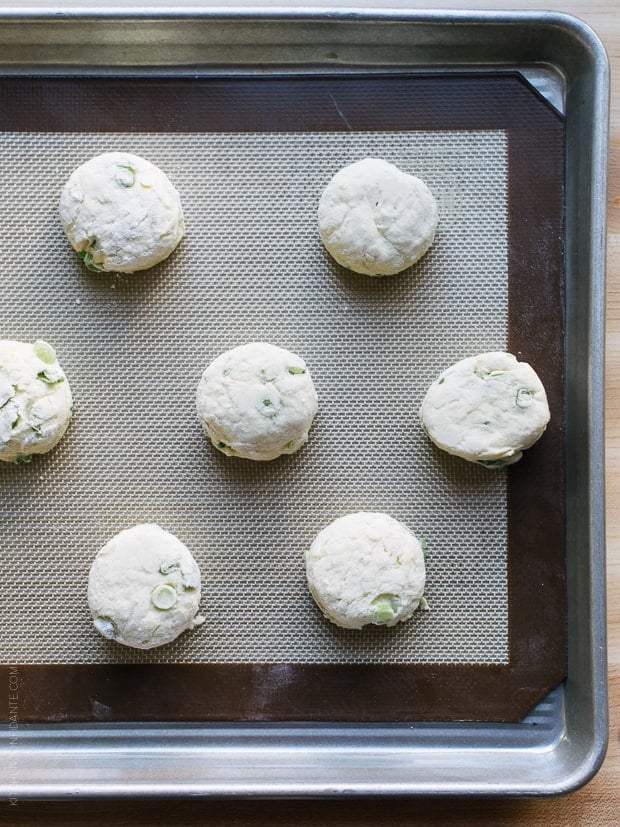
point(134, 349)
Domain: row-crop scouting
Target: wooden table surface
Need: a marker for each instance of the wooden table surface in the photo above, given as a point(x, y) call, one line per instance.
point(598, 803)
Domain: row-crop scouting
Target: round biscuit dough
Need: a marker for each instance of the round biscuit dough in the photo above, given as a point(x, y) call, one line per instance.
point(366, 568)
point(257, 401)
point(486, 409)
point(144, 588)
point(375, 219)
point(121, 213)
point(35, 400)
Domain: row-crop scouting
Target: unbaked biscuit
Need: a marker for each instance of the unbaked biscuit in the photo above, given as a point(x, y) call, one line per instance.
point(35, 400)
point(121, 213)
point(486, 409)
point(144, 588)
point(366, 568)
point(375, 219)
point(257, 401)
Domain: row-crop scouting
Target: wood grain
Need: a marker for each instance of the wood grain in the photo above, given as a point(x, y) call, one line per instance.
point(598, 803)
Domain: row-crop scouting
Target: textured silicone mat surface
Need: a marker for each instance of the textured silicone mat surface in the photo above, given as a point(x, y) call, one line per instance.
point(252, 268)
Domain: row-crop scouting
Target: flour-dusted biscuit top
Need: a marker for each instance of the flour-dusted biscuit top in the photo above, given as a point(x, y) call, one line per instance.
point(486, 409)
point(366, 568)
point(375, 219)
point(35, 400)
point(121, 213)
point(257, 401)
point(144, 588)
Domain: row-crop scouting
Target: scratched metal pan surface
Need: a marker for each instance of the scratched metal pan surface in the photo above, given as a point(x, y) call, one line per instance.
point(250, 741)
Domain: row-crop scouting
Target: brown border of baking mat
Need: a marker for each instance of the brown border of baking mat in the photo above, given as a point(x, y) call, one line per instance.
point(536, 501)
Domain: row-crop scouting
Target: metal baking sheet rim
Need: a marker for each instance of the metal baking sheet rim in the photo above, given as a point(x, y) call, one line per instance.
point(561, 745)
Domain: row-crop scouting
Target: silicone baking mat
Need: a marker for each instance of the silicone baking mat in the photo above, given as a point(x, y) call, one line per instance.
point(252, 268)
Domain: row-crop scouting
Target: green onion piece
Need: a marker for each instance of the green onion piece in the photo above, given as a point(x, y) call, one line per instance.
point(7, 396)
point(294, 370)
point(441, 380)
point(385, 607)
point(492, 463)
point(164, 597)
point(127, 177)
point(166, 568)
point(266, 402)
point(524, 398)
point(22, 459)
point(44, 352)
point(87, 258)
point(489, 374)
point(44, 376)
